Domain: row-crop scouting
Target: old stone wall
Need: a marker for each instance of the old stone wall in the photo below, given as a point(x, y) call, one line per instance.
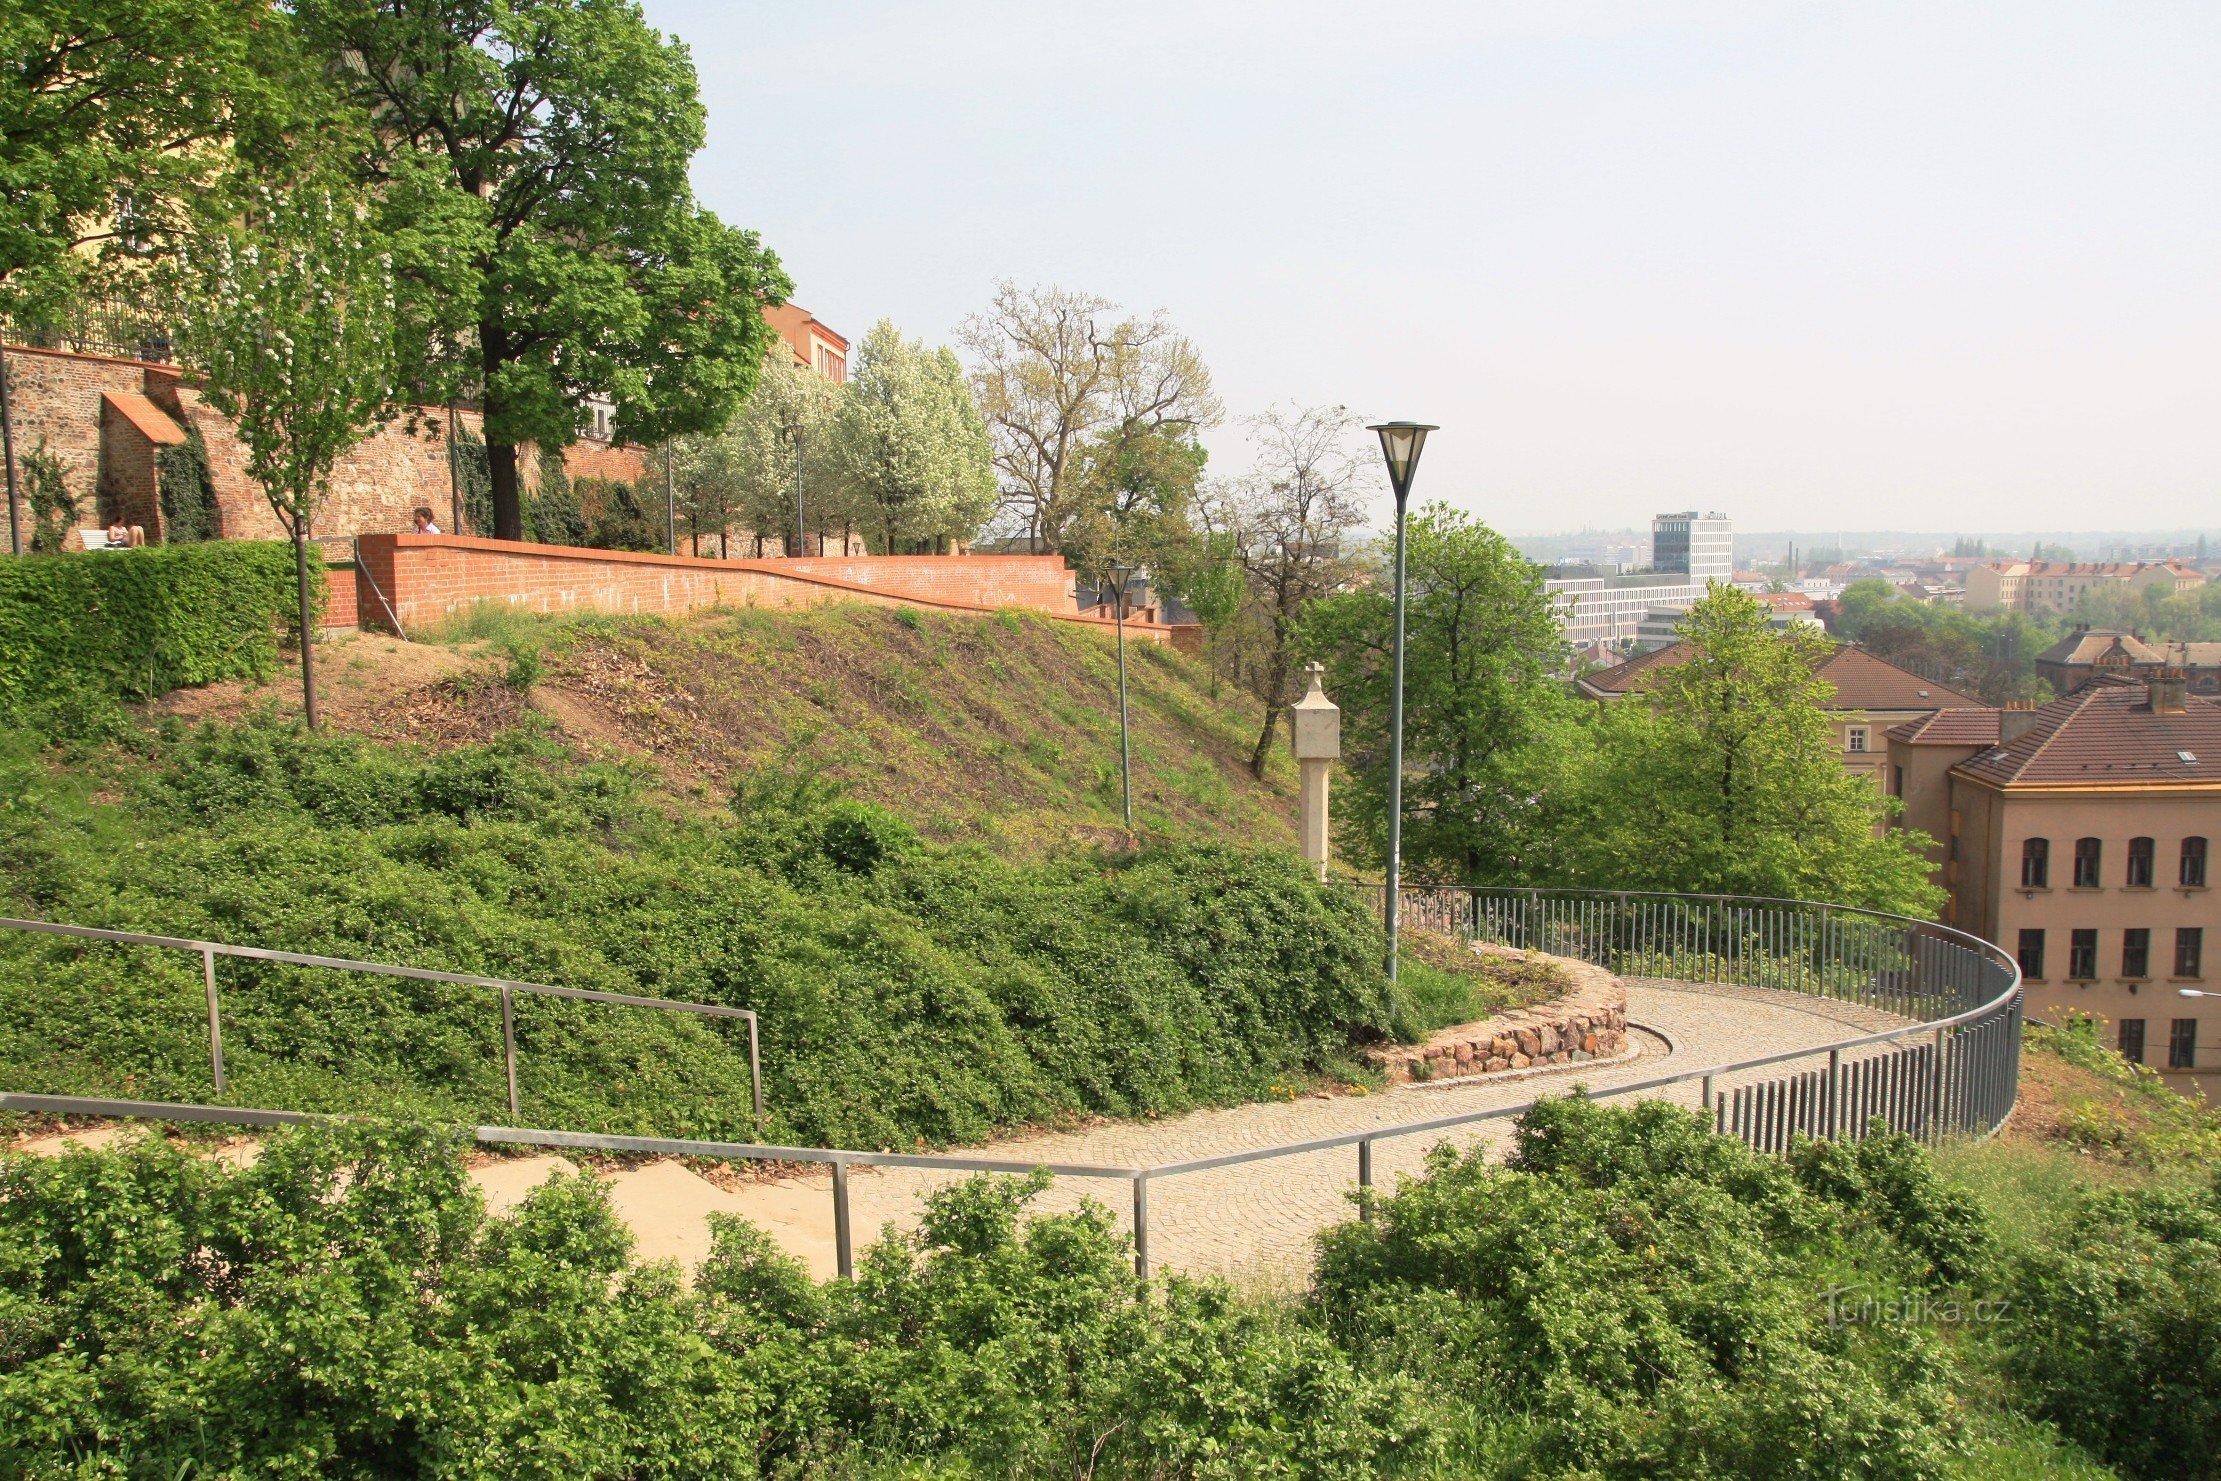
point(1588, 1021)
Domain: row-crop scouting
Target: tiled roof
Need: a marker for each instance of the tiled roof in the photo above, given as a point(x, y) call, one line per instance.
point(152, 421)
point(1862, 681)
point(1950, 728)
point(2107, 735)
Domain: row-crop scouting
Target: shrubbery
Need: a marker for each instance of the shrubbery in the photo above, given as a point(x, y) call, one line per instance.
point(907, 991)
point(1629, 1297)
point(90, 628)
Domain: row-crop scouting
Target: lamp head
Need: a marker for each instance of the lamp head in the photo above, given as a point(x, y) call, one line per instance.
point(1401, 443)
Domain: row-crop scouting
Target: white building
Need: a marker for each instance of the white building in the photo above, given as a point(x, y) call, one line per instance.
point(1687, 551)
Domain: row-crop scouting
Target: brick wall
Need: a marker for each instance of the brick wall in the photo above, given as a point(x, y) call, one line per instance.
point(55, 398)
point(589, 459)
point(341, 606)
point(428, 578)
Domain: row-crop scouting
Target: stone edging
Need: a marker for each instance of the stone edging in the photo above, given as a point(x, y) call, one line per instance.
point(1587, 1022)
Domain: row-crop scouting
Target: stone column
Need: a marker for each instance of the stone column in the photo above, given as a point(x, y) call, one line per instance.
point(1315, 728)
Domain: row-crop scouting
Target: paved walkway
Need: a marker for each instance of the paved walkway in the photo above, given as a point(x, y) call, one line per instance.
point(1253, 1222)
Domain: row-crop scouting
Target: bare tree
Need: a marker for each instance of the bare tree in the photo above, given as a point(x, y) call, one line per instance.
point(1057, 372)
point(1289, 522)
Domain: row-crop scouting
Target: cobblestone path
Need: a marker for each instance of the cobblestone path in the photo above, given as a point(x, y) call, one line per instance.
point(1256, 1222)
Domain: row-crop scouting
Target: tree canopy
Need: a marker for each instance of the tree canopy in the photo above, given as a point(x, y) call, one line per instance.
point(1723, 776)
point(919, 463)
point(530, 159)
point(1489, 729)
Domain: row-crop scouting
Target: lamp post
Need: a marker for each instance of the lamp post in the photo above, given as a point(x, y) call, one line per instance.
point(1120, 573)
point(799, 535)
point(671, 499)
point(1400, 443)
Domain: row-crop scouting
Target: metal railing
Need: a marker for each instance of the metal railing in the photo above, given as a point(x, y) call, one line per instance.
point(117, 326)
point(1955, 1073)
point(508, 988)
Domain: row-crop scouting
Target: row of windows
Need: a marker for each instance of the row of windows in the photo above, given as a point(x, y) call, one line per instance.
point(2182, 1042)
point(2136, 953)
point(2089, 863)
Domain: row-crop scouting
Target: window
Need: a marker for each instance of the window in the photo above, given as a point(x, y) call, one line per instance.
point(2193, 870)
point(2132, 1040)
point(2087, 853)
point(1897, 781)
point(1857, 741)
point(2182, 1044)
point(2190, 951)
point(2031, 955)
point(2082, 956)
point(2035, 865)
point(2139, 864)
point(2136, 952)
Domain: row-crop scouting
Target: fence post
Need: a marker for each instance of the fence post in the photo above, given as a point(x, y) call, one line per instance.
point(215, 1019)
point(509, 1050)
point(1365, 1180)
point(844, 1250)
point(1141, 1225)
point(1938, 1088)
point(755, 1072)
point(1835, 1093)
point(1707, 1096)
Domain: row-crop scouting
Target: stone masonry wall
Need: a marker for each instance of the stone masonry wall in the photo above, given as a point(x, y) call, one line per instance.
point(1588, 1021)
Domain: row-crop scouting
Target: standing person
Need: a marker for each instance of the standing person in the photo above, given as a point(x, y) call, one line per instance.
point(424, 525)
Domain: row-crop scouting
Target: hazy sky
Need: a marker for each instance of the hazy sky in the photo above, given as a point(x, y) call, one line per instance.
point(1820, 265)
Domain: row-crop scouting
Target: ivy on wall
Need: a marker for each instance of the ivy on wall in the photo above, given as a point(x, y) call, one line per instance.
point(187, 490)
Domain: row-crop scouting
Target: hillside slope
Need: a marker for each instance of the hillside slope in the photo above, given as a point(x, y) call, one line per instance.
point(999, 729)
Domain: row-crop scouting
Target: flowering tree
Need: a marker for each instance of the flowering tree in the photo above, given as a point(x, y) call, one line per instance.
point(291, 332)
point(776, 460)
point(918, 455)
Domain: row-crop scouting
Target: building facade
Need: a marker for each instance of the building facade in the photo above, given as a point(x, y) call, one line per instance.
point(2080, 836)
point(2054, 588)
point(2087, 652)
point(1688, 551)
point(814, 345)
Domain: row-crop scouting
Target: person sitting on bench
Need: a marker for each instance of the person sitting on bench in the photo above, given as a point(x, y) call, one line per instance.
point(125, 536)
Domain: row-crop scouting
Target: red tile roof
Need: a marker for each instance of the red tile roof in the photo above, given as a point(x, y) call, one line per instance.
point(2107, 735)
point(1862, 681)
point(152, 421)
point(1950, 728)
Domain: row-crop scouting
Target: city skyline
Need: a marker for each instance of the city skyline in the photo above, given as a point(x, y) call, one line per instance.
point(1825, 265)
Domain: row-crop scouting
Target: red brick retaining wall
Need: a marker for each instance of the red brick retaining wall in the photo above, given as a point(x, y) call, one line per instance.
point(427, 578)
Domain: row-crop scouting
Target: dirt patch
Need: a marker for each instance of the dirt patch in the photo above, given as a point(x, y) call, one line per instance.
point(371, 684)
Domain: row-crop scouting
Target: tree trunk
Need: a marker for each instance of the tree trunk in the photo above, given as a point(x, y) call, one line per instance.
point(501, 463)
point(308, 631)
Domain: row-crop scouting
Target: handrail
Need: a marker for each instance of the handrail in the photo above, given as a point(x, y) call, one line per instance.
point(1923, 1105)
point(506, 986)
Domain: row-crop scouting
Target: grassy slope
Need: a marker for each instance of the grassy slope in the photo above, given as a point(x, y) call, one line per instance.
point(1000, 729)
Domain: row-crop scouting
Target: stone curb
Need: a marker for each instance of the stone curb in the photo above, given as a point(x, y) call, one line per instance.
point(1587, 1023)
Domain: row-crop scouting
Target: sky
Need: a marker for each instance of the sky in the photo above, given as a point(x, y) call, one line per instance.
point(1818, 265)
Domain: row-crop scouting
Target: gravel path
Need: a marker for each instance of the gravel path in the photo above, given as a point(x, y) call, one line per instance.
point(1255, 1222)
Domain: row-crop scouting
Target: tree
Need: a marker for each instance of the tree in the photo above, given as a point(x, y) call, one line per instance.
point(1055, 372)
point(1287, 524)
point(1723, 777)
point(291, 333)
point(1138, 488)
point(105, 114)
point(530, 158)
point(1489, 731)
point(919, 462)
point(778, 458)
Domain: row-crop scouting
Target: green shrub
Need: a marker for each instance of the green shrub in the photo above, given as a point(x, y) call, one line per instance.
point(137, 623)
point(908, 991)
point(2116, 1330)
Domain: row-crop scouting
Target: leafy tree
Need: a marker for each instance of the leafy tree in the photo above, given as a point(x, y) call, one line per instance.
point(1288, 524)
point(1138, 492)
point(531, 158)
point(1057, 372)
point(292, 336)
point(107, 114)
point(918, 458)
point(1992, 656)
point(1722, 776)
point(1489, 732)
point(777, 464)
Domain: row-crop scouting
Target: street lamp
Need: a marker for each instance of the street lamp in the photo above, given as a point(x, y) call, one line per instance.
point(1400, 443)
point(1120, 573)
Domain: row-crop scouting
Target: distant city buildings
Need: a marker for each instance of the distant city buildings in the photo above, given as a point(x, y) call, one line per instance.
point(1609, 607)
point(2054, 588)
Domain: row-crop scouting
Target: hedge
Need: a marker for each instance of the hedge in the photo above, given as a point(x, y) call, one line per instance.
point(103, 625)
